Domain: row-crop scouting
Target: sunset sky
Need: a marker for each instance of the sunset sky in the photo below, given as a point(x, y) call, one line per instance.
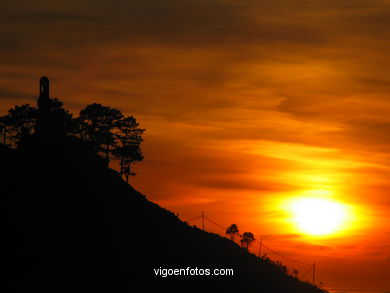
point(247, 105)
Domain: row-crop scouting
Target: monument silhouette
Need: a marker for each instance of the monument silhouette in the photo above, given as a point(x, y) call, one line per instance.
point(42, 126)
point(44, 94)
point(49, 125)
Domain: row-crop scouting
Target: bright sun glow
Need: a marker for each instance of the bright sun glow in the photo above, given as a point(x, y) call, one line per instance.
point(318, 216)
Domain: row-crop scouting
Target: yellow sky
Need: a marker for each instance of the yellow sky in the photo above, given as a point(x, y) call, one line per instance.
point(246, 104)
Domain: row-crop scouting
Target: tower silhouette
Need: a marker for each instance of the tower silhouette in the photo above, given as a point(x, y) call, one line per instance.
point(44, 95)
point(46, 125)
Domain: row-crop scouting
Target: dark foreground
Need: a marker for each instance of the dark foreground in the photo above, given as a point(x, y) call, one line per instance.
point(70, 224)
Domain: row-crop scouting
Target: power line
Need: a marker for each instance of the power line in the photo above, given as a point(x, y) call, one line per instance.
point(192, 219)
point(262, 243)
point(223, 228)
point(308, 271)
point(285, 257)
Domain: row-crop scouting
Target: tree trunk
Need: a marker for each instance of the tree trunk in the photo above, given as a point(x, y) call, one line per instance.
point(121, 168)
point(108, 152)
point(128, 173)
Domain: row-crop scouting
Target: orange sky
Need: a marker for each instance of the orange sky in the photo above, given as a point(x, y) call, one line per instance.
point(246, 103)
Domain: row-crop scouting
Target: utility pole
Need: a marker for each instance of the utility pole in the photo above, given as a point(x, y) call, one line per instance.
point(261, 243)
point(202, 220)
point(314, 273)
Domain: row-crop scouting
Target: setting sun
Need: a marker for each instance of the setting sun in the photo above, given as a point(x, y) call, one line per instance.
point(318, 216)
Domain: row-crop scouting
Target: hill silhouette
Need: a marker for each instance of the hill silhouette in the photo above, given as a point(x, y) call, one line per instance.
point(74, 223)
point(70, 223)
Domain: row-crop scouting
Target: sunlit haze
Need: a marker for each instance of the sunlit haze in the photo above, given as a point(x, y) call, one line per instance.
point(318, 217)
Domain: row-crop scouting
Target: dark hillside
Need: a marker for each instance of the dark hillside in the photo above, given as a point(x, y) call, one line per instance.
point(72, 224)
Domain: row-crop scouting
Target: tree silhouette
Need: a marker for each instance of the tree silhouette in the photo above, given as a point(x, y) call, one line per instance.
point(98, 124)
point(3, 130)
point(247, 239)
point(128, 148)
point(21, 121)
point(102, 127)
point(61, 117)
point(18, 123)
point(232, 231)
